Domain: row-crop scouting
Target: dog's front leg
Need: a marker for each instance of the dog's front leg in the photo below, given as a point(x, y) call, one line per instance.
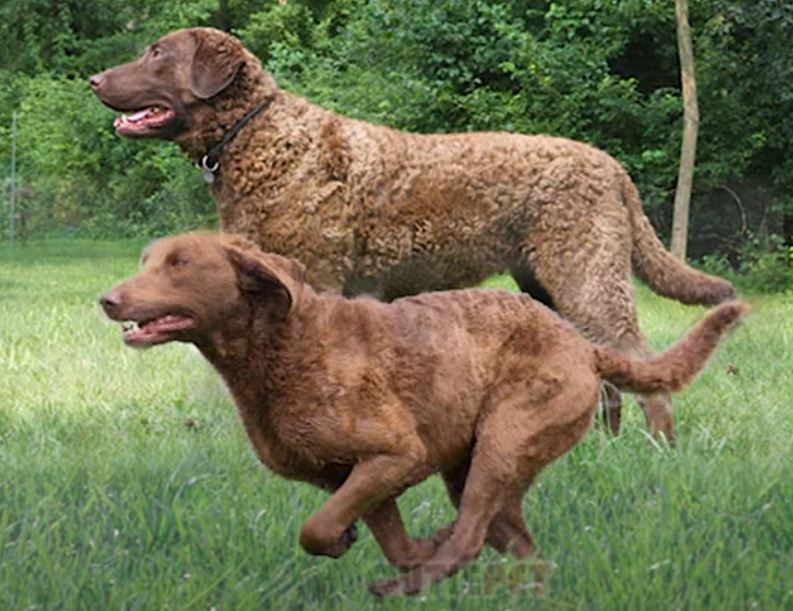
point(370, 483)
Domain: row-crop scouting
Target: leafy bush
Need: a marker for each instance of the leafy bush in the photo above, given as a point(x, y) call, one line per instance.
point(79, 177)
point(764, 265)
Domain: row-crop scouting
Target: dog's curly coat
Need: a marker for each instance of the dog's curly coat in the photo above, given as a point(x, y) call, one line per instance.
point(366, 399)
point(373, 210)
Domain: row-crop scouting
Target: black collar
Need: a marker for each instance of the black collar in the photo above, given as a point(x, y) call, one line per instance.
point(210, 162)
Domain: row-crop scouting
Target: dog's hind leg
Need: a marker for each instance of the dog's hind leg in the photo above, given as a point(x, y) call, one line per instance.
point(507, 532)
point(593, 289)
point(519, 436)
point(611, 406)
point(509, 535)
point(610, 398)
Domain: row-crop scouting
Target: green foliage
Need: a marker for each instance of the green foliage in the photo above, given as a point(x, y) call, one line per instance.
point(78, 39)
point(765, 265)
point(77, 176)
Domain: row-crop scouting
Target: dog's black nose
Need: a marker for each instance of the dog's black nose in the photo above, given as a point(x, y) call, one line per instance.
point(110, 301)
point(97, 80)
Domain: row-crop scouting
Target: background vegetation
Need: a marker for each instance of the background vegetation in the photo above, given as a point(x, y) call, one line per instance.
point(603, 71)
point(127, 481)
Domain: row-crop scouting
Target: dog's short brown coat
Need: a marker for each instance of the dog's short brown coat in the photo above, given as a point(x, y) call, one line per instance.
point(371, 209)
point(366, 399)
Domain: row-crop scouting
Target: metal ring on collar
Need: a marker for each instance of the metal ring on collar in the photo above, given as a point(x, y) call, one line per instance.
point(205, 164)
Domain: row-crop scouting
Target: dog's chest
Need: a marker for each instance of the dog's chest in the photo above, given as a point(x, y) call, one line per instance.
point(286, 460)
point(285, 450)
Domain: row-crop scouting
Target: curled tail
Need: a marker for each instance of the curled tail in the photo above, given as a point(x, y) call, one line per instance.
point(664, 273)
point(676, 367)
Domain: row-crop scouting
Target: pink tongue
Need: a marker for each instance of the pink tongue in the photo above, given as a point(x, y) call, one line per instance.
point(138, 115)
point(135, 335)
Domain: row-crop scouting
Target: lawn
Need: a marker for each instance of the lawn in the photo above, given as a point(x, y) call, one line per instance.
point(126, 481)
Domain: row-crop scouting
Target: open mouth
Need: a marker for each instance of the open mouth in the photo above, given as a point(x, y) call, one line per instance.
point(143, 122)
point(156, 330)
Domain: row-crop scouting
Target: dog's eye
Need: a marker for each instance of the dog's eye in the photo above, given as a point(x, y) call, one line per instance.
point(177, 261)
point(155, 52)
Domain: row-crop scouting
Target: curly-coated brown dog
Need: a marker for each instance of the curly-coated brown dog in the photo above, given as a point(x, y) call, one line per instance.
point(366, 399)
point(372, 210)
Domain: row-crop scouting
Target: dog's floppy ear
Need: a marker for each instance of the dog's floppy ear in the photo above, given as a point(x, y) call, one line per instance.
point(270, 281)
point(217, 59)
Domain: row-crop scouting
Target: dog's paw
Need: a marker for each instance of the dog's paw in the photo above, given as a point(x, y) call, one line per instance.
point(319, 542)
point(348, 537)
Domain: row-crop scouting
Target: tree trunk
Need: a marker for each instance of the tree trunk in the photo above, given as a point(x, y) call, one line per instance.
point(688, 149)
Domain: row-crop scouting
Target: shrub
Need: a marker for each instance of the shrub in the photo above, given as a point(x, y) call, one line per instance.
point(763, 265)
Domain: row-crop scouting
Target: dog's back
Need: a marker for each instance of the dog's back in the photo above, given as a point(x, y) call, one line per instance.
point(461, 339)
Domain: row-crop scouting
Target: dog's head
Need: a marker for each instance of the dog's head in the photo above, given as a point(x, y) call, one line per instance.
point(176, 73)
point(198, 286)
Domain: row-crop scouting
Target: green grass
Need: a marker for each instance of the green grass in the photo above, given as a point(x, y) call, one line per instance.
point(126, 481)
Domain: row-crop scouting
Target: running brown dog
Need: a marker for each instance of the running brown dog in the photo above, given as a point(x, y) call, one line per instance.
point(366, 399)
point(373, 210)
